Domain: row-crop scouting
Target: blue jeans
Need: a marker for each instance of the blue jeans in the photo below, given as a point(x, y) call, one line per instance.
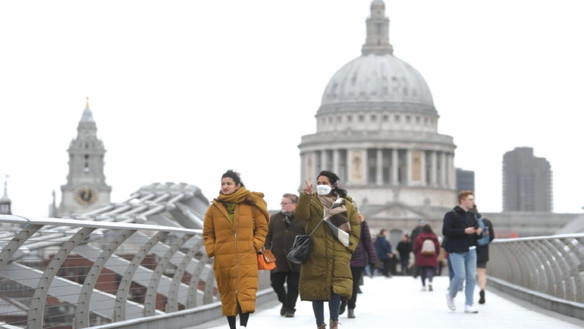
point(450, 270)
point(334, 306)
point(464, 265)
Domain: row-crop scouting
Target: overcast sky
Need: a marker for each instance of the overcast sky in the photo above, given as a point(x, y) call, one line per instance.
point(183, 90)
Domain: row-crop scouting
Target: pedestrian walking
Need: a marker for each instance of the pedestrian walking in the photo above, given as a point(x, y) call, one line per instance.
point(404, 248)
point(483, 253)
point(282, 230)
point(427, 249)
point(461, 229)
point(326, 275)
point(234, 231)
point(383, 251)
point(364, 254)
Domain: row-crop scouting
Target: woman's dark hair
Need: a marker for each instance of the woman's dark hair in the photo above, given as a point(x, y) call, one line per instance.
point(334, 179)
point(476, 211)
point(427, 228)
point(233, 175)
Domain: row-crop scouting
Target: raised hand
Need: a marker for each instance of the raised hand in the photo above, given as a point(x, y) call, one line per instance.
point(307, 187)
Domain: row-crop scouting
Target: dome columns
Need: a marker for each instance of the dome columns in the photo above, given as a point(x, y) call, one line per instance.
point(379, 167)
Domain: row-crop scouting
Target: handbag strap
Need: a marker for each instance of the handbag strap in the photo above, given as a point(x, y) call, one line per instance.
point(316, 227)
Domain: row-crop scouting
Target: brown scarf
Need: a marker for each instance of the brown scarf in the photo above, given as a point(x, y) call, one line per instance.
point(337, 215)
point(242, 195)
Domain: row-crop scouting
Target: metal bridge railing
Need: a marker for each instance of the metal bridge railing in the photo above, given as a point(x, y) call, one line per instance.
point(547, 271)
point(64, 273)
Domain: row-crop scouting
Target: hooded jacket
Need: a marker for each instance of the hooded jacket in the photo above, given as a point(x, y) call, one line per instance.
point(453, 226)
point(327, 268)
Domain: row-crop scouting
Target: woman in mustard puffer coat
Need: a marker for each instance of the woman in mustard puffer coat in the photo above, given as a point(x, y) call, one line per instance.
point(234, 230)
point(326, 275)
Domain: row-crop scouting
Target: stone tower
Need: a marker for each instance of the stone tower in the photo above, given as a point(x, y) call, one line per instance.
point(5, 202)
point(85, 189)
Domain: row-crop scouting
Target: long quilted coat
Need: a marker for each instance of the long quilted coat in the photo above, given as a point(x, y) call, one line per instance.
point(235, 247)
point(328, 266)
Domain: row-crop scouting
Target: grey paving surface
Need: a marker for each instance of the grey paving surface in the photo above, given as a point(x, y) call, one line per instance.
point(398, 302)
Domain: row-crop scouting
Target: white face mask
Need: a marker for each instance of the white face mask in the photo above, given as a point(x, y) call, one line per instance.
point(323, 189)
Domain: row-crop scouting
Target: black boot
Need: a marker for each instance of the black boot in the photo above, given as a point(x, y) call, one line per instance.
point(343, 306)
point(482, 297)
point(351, 313)
point(289, 312)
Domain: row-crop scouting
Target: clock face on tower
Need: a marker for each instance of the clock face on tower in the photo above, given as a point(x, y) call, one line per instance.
point(85, 196)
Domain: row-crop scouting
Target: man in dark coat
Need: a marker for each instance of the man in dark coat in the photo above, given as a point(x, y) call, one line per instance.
point(461, 229)
point(282, 230)
point(404, 248)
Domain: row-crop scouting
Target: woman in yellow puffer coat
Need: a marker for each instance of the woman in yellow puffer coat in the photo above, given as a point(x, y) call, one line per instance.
point(326, 275)
point(234, 230)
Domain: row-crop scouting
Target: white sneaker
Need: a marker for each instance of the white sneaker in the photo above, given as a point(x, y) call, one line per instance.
point(470, 309)
point(423, 288)
point(450, 302)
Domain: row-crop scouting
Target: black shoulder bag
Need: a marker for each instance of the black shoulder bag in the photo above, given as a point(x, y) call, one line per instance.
point(301, 247)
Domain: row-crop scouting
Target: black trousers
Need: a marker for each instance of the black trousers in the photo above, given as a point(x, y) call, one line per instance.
point(286, 295)
point(385, 270)
point(357, 273)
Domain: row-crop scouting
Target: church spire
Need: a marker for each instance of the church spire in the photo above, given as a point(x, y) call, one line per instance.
point(87, 115)
point(377, 41)
point(5, 200)
point(86, 188)
point(87, 126)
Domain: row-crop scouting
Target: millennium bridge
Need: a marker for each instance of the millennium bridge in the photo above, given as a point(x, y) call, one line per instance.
point(141, 263)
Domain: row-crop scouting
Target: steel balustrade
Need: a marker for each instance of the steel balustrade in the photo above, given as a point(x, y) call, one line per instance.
point(98, 244)
point(106, 267)
point(547, 271)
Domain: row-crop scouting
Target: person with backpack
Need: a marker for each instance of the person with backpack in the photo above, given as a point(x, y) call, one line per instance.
point(483, 253)
point(427, 249)
point(461, 229)
point(417, 230)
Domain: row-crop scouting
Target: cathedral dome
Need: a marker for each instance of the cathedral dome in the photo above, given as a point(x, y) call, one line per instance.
point(377, 80)
point(382, 79)
point(377, 129)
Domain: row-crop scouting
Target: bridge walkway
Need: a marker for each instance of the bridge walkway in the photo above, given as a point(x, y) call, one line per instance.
point(399, 302)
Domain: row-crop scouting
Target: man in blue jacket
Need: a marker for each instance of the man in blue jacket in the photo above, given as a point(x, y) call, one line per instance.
point(383, 251)
point(461, 229)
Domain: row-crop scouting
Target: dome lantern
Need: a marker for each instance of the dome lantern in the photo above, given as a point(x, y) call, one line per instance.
point(377, 41)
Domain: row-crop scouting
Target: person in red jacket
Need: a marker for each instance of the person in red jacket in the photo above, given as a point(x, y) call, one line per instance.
point(427, 249)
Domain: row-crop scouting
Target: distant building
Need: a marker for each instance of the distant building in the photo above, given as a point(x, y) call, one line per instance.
point(527, 181)
point(85, 189)
point(465, 180)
